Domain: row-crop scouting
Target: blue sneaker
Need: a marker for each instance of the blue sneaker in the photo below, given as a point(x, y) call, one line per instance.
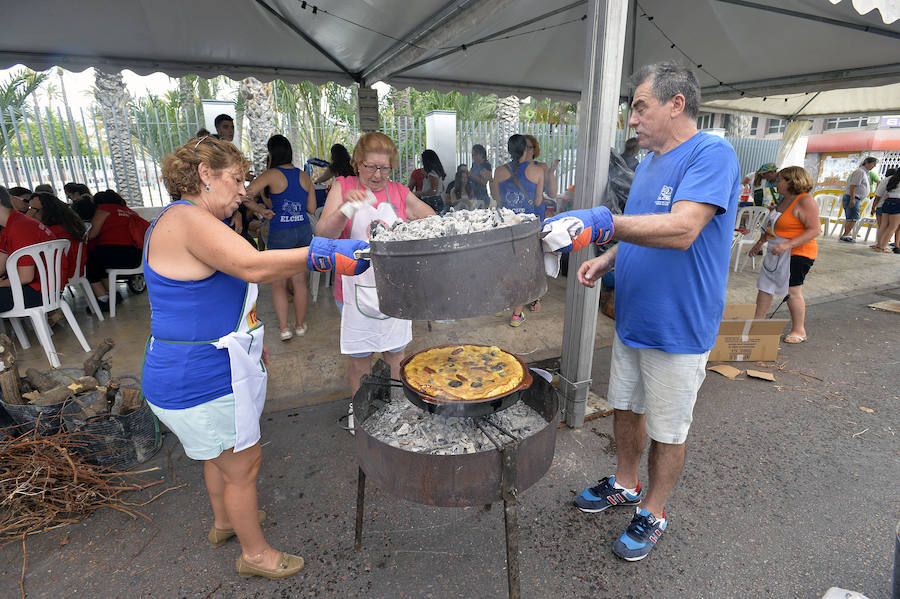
point(604, 495)
point(640, 536)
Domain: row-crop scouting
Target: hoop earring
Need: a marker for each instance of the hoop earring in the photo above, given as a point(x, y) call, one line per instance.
point(207, 188)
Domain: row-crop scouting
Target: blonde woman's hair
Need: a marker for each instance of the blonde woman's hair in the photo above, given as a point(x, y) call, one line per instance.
point(535, 143)
point(798, 180)
point(371, 143)
point(180, 168)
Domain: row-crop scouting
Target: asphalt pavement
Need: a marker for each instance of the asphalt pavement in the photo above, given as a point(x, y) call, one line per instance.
point(789, 488)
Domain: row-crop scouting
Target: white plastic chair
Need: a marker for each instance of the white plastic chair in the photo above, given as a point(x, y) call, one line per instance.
point(755, 216)
point(79, 281)
point(48, 254)
point(114, 274)
point(865, 219)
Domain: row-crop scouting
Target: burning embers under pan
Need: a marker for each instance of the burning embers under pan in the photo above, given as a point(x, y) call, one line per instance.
point(502, 461)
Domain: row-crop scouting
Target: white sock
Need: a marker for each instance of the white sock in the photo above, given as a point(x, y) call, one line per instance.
point(616, 485)
point(103, 298)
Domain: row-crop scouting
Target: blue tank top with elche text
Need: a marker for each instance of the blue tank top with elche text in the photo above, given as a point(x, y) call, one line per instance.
point(289, 205)
point(182, 369)
point(518, 198)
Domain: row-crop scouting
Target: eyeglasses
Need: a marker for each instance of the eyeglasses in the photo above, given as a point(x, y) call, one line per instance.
point(372, 169)
point(202, 139)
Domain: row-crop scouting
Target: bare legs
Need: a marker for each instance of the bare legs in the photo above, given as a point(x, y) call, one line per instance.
point(231, 483)
point(797, 307)
point(301, 297)
point(280, 300)
point(887, 228)
point(631, 437)
point(280, 303)
point(763, 303)
point(360, 366)
point(665, 461)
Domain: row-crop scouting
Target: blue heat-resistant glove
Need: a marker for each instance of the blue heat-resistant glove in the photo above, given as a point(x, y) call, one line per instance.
point(576, 229)
point(337, 255)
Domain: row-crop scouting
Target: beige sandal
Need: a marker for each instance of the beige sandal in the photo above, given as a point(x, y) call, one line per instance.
point(794, 339)
point(288, 565)
point(218, 536)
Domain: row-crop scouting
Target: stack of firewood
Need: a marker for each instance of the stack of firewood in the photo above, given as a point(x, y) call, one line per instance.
point(39, 388)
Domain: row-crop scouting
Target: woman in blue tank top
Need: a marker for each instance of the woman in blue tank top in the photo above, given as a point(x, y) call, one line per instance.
point(198, 271)
point(291, 197)
point(518, 185)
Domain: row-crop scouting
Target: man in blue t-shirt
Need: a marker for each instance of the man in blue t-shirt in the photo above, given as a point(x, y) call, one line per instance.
point(671, 273)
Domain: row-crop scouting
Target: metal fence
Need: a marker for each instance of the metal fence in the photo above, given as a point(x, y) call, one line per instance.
point(54, 145)
point(752, 153)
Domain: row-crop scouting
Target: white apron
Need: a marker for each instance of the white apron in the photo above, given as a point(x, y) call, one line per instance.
point(364, 329)
point(776, 269)
point(248, 374)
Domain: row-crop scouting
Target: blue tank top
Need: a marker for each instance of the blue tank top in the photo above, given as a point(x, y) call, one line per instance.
point(513, 197)
point(289, 205)
point(181, 369)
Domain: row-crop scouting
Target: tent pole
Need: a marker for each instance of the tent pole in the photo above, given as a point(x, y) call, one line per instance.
point(604, 52)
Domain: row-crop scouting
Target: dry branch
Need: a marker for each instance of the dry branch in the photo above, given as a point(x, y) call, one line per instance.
point(95, 361)
point(9, 387)
point(45, 483)
point(40, 381)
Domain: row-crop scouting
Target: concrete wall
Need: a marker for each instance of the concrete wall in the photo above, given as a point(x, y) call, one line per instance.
point(440, 136)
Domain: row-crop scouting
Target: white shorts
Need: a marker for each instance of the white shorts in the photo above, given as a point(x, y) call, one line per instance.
point(205, 430)
point(661, 385)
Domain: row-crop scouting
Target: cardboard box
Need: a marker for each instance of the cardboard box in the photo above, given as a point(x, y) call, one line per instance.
point(743, 339)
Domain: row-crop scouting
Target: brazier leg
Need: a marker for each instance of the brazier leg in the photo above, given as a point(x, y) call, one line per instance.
point(360, 508)
point(511, 518)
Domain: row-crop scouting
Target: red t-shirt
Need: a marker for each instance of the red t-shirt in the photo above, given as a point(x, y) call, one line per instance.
point(115, 228)
point(21, 231)
point(68, 263)
point(418, 179)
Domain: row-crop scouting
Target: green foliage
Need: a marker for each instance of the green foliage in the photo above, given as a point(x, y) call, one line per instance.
point(468, 107)
point(56, 141)
point(14, 92)
point(159, 124)
point(547, 110)
point(316, 116)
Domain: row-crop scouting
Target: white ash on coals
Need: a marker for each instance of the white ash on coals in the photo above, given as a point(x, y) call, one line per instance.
point(458, 222)
point(406, 426)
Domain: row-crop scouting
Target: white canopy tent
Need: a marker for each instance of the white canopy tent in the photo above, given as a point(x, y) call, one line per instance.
point(568, 49)
point(764, 48)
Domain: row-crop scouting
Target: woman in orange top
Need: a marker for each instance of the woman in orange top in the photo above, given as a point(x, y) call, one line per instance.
point(794, 226)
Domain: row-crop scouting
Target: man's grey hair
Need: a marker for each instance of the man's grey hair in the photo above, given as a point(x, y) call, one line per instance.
point(5, 200)
point(669, 80)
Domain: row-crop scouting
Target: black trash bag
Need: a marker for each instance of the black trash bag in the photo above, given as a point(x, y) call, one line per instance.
point(618, 186)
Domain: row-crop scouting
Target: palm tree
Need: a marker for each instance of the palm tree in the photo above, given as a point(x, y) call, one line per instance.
point(259, 110)
point(13, 94)
point(403, 115)
point(507, 116)
point(112, 96)
point(739, 125)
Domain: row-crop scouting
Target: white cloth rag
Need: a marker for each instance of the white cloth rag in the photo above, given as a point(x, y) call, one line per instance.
point(559, 234)
point(350, 208)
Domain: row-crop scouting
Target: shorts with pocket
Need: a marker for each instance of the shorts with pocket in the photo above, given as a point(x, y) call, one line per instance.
point(290, 238)
point(851, 207)
point(661, 385)
point(205, 430)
